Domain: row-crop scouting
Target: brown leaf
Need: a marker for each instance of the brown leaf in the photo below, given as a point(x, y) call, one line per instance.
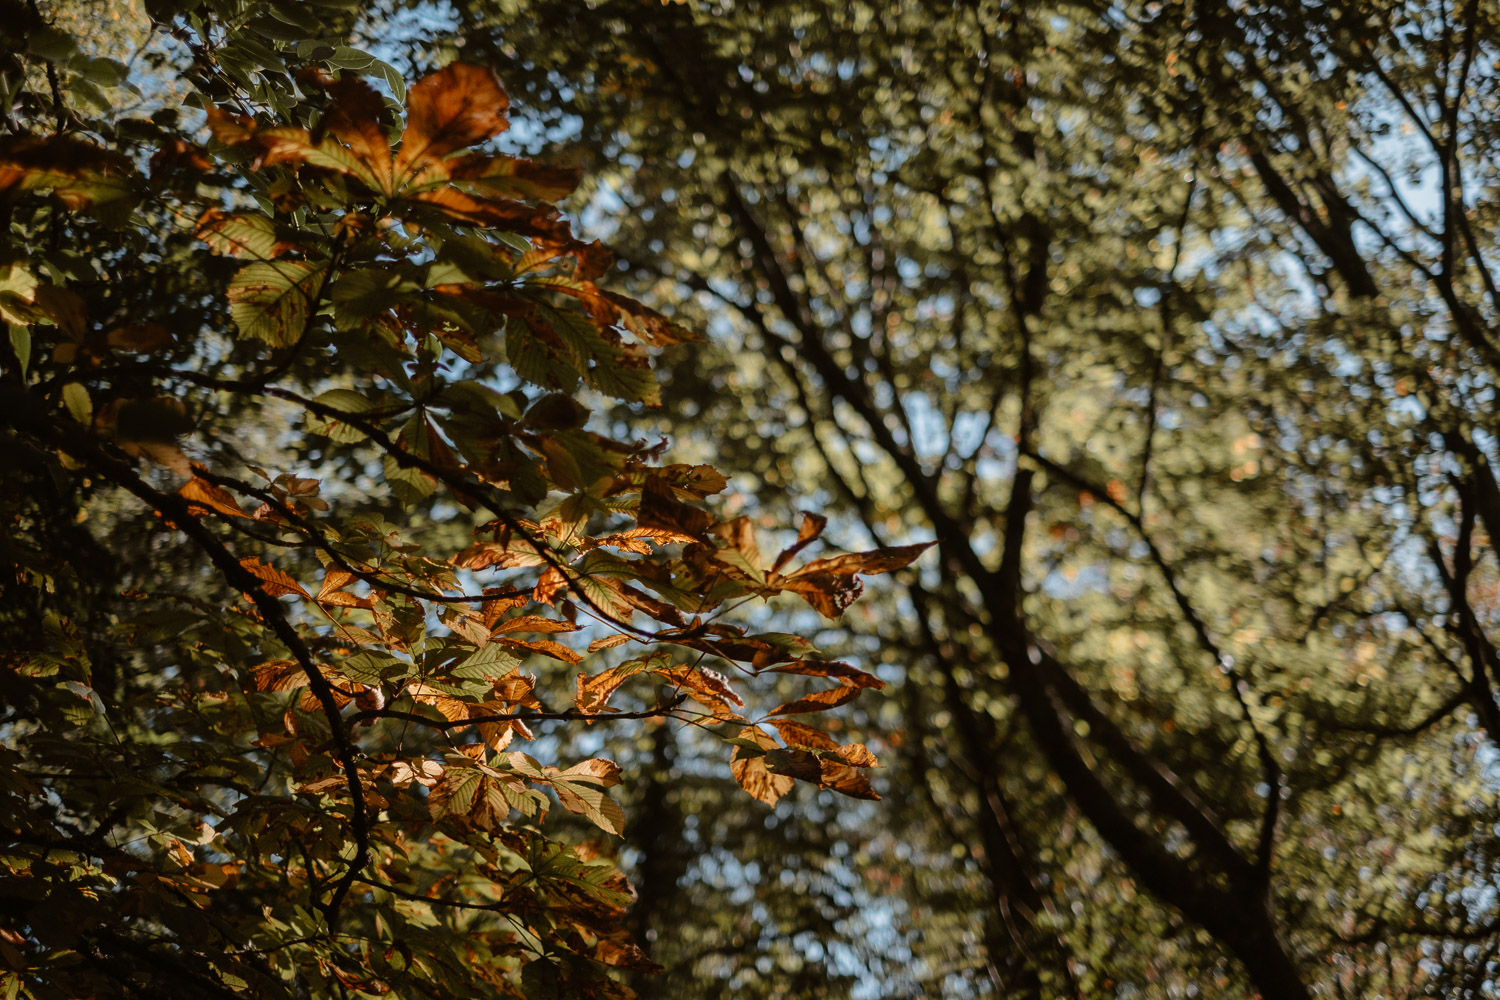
point(457, 106)
point(642, 601)
point(812, 527)
point(846, 780)
point(830, 668)
point(800, 764)
point(625, 955)
point(273, 581)
point(595, 771)
point(483, 555)
point(469, 627)
point(163, 453)
point(231, 130)
point(795, 733)
point(857, 755)
point(751, 771)
point(177, 154)
point(830, 594)
point(533, 623)
point(661, 510)
point(334, 582)
point(77, 173)
point(708, 688)
point(278, 675)
point(544, 646)
point(447, 706)
point(649, 326)
point(830, 585)
point(818, 701)
point(537, 221)
point(549, 585)
point(203, 496)
point(867, 563)
point(609, 642)
point(250, 236)
point(354, 119)
point(64, 307)
point(740, 534)
point(497, 601)
point(515, 178)
point(515, 688)
point(142, 338)
point(594, 690)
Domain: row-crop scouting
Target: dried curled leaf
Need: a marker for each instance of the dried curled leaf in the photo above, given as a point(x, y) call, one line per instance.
point(204, 497)
point(272, 580)
point(830, 585)
point(819, 701)
point(749, 768)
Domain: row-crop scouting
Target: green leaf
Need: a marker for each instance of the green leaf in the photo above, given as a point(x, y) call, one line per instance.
point(253, 235)
point(454, 795)
point(735, 558)
point(410, 485)
point(298, 16)
point(20, 343)
point(598, 879)
point(488, 663)
point(539, 980)
point(104, 72)
point(347, 57)
point(393, 78)
point(76, 398)
point(271, 301)
point(51, 44)
point(593, 803)
point(346, 401)
point(17, 293)
point(359, 296)
point(369, 667)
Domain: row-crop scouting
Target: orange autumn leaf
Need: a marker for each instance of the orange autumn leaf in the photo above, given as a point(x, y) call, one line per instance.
point(812, 527)
point(457, 106)
point(832, 584)
point(844, 672)
point(272, 580)
point(818, 701)
point(751, 772)
point(203, 496)
point(847, 780)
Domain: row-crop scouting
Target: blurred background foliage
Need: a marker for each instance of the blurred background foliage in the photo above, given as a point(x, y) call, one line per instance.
point(1176, 325)
point(1218, 280)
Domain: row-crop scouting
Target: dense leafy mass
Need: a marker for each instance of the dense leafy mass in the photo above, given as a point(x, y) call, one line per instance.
point(318, 550)
point(1176, 324)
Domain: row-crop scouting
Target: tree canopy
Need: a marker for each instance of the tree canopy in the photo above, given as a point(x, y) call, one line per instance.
point(314, 531)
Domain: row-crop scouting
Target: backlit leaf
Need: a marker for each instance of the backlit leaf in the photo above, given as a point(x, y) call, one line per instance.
point(272, 301)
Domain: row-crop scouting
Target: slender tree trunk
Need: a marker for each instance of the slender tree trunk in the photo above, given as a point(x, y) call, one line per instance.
point(656, 832)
